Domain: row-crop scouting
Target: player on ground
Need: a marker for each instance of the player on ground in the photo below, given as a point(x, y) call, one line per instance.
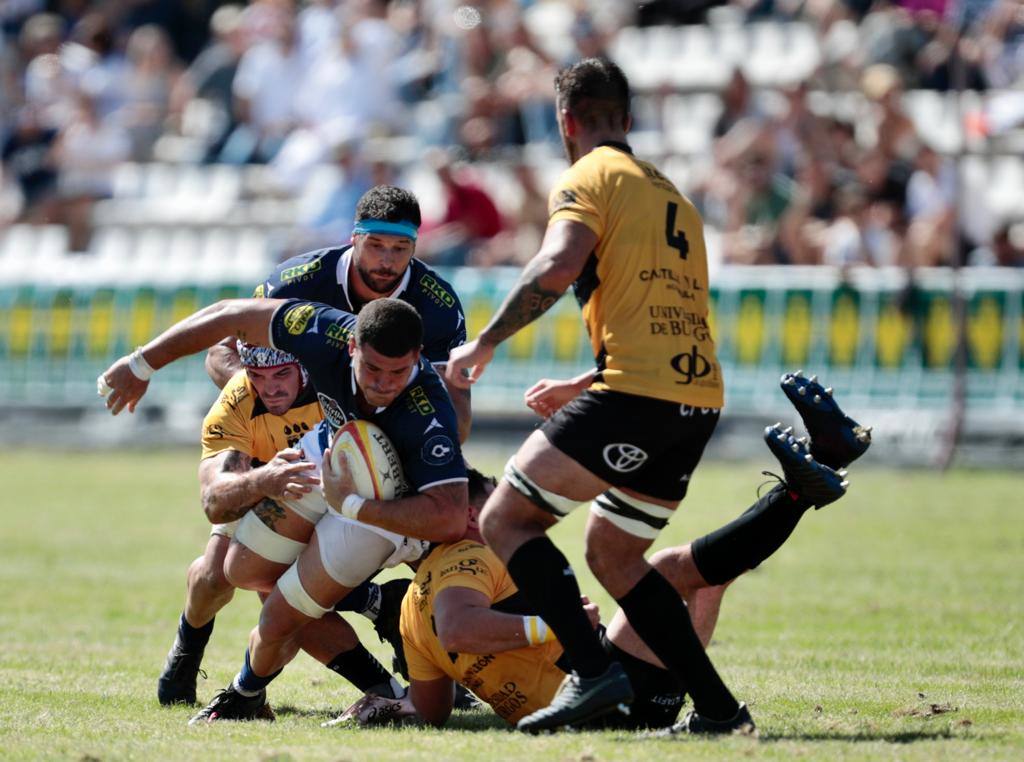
point(368, 367)
point(379, 262)
point(633, 248)
point(247, 472)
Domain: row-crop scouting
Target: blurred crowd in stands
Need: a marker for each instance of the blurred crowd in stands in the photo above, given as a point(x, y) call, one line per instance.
point(334, 96)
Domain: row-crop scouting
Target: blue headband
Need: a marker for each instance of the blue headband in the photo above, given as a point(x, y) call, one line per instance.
point(382, 227)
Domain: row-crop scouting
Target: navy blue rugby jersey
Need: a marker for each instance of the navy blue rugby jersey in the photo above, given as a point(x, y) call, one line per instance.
point(322, 276)
point(420, 421)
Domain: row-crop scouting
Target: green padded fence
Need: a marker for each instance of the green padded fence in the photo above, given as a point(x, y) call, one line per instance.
point(881, 339)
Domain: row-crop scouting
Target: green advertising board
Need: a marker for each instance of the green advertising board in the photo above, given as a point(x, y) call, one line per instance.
point(879, 337)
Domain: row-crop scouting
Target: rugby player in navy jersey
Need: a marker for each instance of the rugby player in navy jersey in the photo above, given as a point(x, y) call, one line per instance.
point(379, 262)
point(370, 368)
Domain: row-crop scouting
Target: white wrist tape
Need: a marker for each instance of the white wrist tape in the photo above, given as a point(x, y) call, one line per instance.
point(351, 506)
point(102, 387)
point(137, 365)
point(537, 630)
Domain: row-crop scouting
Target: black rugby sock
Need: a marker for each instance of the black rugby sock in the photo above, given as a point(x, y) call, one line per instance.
point(659, 616)
point(364, 600)
point(748, 540)
point(544, 576)
point(364, 672)
point(193, 639)
point(248, 683)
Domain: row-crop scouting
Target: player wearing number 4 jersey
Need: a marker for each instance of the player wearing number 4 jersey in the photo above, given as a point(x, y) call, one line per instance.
point(632, 247)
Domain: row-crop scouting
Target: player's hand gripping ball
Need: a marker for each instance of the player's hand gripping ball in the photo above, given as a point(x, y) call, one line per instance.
point(362, 462)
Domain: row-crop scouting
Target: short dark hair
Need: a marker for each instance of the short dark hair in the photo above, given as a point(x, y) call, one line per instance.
point(595, 92)
point(388, 203)
point(478, 482)
point(390, 326)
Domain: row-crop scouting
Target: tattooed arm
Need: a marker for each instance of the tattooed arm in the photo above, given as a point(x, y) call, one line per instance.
point(246, 319)
point(564, 253)
point(229, 486)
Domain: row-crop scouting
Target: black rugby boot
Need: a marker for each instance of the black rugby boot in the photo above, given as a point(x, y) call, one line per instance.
point(836, 439)
point(694, 724)
point(229, 704)
point(819, 485)
point(177, 683)
point(580, 700)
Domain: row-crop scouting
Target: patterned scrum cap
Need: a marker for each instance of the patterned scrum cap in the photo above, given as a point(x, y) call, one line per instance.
point(253, 356)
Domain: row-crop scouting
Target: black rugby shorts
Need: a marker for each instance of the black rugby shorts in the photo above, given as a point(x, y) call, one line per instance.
point(645, 444)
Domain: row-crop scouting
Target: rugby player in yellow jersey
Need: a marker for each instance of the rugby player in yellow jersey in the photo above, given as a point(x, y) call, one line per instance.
point(633, 248)
point(248, 469)
point(464, 621)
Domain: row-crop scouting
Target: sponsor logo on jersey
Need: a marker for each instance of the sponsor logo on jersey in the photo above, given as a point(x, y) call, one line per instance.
point(431, 286)
point(463, 566)
point(338, 332)
point(479, 665)
point(294, 432)
point(232, 399)
point(624, 457)
point(438, 450)
point(297, 318)
point(420, 402)
point(507, 700)
point(434, 424)
point(259, 292)
point(690, 365)
point(214, 431)
point(672, 320)
point(657, 179)
point(293, 273)
point(566, 198)
point(333, 413)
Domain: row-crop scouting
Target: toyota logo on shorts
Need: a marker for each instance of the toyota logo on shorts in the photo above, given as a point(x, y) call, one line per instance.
point(624, 457)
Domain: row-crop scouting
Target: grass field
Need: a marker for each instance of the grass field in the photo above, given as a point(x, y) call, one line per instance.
point(890, 626)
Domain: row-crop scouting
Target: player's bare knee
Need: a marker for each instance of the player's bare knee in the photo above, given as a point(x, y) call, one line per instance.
point(279, 621)
point(244, 570)
point(677, 566)
point(206, 580)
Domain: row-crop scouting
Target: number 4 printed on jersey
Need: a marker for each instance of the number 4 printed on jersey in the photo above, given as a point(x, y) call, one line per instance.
point(675, 238)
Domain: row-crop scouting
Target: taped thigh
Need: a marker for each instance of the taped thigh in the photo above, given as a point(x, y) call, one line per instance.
point(265, 542)
point(225, 530)
point(351, 552)
point(291, 588)
point(310, 506)
point(630, 514)
point(546, 500)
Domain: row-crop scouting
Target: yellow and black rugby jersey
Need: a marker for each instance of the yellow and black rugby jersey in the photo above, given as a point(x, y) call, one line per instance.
point(515, 683)
point(239, 421)
point(644, 292)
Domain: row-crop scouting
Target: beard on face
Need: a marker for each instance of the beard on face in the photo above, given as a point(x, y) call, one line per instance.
point(379, 281)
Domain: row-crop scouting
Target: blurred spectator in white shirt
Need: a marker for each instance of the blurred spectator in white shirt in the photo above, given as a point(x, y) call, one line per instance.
point(265, 85)
point(86, 152)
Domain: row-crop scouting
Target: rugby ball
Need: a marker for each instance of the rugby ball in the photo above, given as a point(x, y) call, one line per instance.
point(372, 460)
